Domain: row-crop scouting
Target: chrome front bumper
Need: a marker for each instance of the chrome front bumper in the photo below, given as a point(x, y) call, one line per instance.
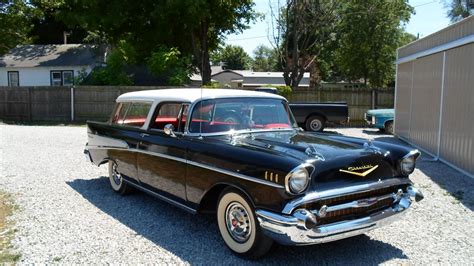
point(293, 229)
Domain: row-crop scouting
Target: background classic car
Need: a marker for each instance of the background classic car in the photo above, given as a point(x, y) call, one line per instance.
point(381, 118)
point(241, 155)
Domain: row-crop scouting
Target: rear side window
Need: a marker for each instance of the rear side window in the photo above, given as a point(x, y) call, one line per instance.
point(119, 113)
point(131, 114)
point(169, 113)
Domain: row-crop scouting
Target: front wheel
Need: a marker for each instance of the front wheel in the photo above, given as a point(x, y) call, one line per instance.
point(315, 123)
point(239, 227)
point(116, 180)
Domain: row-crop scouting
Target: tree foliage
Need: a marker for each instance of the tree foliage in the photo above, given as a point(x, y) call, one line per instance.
point(265, 59)
point(370, 33)
point(459, 9)
point(303, 29)
point(14, 24)
point(232, 56)
point(169, 63)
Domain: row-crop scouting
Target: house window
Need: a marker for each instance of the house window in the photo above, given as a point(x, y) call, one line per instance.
point(13, 79)
point(62, 78)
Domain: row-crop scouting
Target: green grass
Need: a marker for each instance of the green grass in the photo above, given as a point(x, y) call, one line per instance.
point(7, 254)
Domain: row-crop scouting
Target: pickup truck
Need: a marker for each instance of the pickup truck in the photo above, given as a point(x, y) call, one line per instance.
point(315, 116)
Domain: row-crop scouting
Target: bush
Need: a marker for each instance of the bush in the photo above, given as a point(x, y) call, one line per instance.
point(284, 91)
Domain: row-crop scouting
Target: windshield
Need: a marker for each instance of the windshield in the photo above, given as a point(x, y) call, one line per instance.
point(223, 115)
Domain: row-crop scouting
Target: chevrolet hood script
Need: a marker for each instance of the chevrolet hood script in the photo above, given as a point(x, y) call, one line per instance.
point(357, 170)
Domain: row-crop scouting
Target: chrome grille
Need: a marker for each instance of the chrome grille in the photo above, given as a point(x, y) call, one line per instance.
point(353, 206)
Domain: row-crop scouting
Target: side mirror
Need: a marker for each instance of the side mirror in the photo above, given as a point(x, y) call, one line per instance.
point(169, 130)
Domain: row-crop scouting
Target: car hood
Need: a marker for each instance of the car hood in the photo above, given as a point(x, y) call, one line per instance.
point(327, 153)
point(381, 112)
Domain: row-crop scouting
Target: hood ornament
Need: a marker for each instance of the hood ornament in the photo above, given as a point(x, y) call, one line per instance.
point(354, 170)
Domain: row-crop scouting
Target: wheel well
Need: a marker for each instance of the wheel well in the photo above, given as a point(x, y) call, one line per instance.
point(208, 203)
point(385, 123)
point(315, 114)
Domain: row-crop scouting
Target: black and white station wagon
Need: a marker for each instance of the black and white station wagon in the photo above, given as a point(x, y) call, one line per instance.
point(241, 155)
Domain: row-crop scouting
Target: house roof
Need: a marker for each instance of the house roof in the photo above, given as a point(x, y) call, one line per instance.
point(214, 70)
point(51, 55)
point(191, 95)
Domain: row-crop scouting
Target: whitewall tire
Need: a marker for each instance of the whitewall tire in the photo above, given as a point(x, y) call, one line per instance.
point(116, 180)
point(239, 227)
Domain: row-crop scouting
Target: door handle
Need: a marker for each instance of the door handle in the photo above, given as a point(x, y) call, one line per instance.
point(144, 135)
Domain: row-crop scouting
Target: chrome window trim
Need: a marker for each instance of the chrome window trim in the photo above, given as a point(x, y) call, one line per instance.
point(365, 187)
point(213, 168)
point(230, 132)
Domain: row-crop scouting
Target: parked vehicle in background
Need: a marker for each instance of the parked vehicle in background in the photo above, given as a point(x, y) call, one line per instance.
point(381, 118)
point(241, 155)
point(315, 116)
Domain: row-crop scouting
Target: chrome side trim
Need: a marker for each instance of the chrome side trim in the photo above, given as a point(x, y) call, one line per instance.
point(220, 170)
point(101, 141)
point(342, 191)
point(173, 202)
point(245, 177)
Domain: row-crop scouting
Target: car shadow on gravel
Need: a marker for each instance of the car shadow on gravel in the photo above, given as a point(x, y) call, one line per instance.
point(196, 239)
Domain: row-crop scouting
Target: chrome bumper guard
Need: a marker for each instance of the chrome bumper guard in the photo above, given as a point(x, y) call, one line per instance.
point(301, 227)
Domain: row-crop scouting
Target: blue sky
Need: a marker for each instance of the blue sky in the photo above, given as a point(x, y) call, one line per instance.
point(429, 17)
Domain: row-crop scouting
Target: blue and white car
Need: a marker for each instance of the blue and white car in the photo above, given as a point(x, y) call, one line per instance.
point(381, 118)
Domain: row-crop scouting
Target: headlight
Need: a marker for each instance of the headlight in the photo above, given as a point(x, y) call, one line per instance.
point(407, 164)
point(297, 180)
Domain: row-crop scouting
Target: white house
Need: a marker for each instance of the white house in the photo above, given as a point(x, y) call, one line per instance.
point(48, 65)
point(252, 79)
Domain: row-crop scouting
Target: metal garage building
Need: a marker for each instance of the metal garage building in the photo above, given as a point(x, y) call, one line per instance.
point(434, 95)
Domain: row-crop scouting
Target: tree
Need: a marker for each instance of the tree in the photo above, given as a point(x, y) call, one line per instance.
point(233, 57)
point(370, 33)
point(194, 27)
point(459, 9)
point(14, 24)
point(265, 59)
point(303, 29)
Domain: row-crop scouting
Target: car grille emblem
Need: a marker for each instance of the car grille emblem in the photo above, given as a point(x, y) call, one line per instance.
point(356, 170)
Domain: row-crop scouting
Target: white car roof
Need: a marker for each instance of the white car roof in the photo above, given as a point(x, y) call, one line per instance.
point(191, 95)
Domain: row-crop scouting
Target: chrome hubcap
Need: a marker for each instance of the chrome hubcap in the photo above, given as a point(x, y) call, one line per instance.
point(117, 177)
point(315, 125)
point(238, 222)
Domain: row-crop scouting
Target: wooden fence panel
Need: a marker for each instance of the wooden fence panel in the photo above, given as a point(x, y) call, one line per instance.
point(97, 102)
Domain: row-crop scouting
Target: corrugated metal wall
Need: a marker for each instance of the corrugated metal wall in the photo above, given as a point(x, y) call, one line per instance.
point(426, 96)
point(439, 88)
point(457, 129)
point(403, 99)
point(452, 32)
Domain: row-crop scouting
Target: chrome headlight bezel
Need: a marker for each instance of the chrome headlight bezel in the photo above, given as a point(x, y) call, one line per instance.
point(408, 163)
point(297, 181)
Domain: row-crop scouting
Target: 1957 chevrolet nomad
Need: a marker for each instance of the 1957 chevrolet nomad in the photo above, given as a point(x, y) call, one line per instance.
point(241, 155)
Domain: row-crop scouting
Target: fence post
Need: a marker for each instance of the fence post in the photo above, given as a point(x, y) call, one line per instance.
point(30, 113)
point(72, 103)
point(372, 101)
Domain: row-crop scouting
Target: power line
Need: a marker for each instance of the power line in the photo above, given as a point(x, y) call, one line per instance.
point(424, 4)
point(249, 38)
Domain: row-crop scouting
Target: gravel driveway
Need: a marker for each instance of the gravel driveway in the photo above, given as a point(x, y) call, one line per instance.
point(68, 214)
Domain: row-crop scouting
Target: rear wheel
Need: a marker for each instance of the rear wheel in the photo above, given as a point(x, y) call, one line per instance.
point(116, 180)
point(389, 127)
point(315, 123)
point(238, 226)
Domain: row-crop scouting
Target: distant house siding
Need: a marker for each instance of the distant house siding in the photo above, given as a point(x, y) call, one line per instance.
point(38, 76)
point(226, 77)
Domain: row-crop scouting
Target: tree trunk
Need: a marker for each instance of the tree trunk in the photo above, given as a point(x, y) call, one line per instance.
point(205, 64)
